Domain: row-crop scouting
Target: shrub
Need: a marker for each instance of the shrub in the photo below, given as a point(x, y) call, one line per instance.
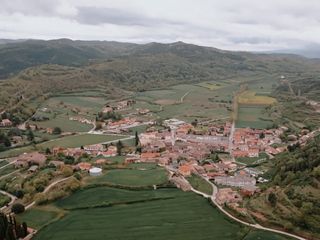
point(17, 208)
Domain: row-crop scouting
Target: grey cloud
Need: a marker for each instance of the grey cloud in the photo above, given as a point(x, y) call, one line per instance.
point(94, 16)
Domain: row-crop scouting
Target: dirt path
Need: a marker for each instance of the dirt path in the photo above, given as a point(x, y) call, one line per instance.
point(183, 97)
point(47, 189)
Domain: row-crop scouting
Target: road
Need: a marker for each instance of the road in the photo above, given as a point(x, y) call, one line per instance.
point(257, 226)
point(13, 198)
point(182, 98)
point(231, 138)
point(47, 189)
point(116, 140)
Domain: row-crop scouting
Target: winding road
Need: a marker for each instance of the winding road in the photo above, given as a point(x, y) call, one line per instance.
point(13, 198)
point(257, 226)
point(47, 189)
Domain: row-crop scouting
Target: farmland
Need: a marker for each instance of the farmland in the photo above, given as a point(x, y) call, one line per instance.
point(253, 116)
point(78, 140)
point(69, 141)
point(200, 184)
point(4, 199)
point(133, 177)
point(59, 109)
point(175, 215)
point(187, 102)
point(251, 98)
point(39, 217)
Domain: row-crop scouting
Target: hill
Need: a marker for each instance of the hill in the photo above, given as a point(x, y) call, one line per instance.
point(50, 67)
point(291, 199)
point(18, 55)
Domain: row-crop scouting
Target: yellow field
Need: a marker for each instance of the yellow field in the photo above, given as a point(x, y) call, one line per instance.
point(249, 97)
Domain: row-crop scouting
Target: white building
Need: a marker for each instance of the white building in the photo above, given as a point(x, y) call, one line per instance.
point(95, 171)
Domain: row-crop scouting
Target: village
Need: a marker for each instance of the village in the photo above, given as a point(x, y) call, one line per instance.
point(217, 153)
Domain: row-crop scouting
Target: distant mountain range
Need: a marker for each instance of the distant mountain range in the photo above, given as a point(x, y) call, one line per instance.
point(16, 55)
point(35, 67)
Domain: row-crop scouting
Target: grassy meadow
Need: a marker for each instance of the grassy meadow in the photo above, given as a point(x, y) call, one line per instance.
point(133, 177)
point(253, 116)
point(168, 214)
point(200, 184)
point(78, 140)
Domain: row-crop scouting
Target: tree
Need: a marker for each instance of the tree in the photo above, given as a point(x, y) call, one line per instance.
point(30, 135)
point(119, 147)
point(67, 171)
point(17, 208)
point(195, 122)
point(98, 126)
point(272, 198)
point(137, 140)
point(48, 151)
point(4, 140)
point(261, 135)
point(56, 130)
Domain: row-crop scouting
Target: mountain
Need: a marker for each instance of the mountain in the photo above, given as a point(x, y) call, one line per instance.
point(38, 67)
point(291, 199)
point(18, 55)
point(308, 51)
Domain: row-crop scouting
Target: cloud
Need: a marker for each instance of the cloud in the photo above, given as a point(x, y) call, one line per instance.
point(95, 15)
point(231, 24)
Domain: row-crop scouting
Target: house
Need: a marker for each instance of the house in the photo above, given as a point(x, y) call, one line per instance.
point(239, 153)
point(132, 160)
point(235, 181)
point(49, 130)
point(253, 152)
point(33, 168)
point(227, 195)
point(101, 161)
point(185, 170)
point(84, 166)
point(248, 191)
point(149, 157)
point(94, 148)
point(27, 159)
point(5, 123)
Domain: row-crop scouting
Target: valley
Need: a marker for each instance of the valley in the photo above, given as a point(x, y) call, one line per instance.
point(166, 141)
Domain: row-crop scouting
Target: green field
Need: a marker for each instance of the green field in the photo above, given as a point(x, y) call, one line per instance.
point(3, 162)
point(6, 170)
point(103, 195)
point(200, 184)
point(181, 216)
point(133, 177)
point(38, 217)
point(78, 140)
point(69, 141)
point(199, 102)
point(59, 109)
point(253, 116)
point(65, 124)
point(4, 199)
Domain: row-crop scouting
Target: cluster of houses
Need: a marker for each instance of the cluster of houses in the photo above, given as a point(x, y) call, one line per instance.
point(249, 142)
point(122, 105)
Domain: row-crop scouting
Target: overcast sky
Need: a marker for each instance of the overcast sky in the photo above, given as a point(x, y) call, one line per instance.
point(252, 25)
